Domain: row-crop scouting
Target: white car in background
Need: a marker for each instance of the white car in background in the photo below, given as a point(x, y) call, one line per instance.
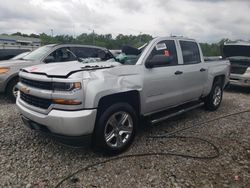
point(238, 54)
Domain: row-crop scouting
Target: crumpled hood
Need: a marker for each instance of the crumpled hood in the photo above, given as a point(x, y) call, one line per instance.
point(66, 68)
point(10, 63)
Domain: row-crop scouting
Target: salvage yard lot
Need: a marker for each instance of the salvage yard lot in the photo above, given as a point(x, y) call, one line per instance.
point(28, 159)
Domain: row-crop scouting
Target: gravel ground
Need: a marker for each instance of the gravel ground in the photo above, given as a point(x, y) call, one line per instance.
point(28, 159)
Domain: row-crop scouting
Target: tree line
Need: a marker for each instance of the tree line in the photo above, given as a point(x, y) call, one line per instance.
point(110, 42)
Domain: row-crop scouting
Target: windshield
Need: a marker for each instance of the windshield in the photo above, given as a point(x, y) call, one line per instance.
point(38, 53)
point(130, 55)
point(90, 55)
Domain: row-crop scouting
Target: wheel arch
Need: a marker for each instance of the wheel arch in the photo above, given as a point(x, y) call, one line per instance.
point(220, 78)
point(12, 77)
point(131, 97)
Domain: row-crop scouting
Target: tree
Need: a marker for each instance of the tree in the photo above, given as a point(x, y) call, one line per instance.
point(107, 40)
point(46, 39)
point(213, 49)
point(34, 35)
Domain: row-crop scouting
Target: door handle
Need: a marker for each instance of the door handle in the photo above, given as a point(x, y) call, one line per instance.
point(178, 72)
point(202, 70)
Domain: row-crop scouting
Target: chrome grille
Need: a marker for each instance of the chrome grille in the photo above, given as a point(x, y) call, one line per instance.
point(37, 84)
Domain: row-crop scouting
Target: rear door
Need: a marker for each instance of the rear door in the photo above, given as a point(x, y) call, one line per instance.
point(194, 71)
point(162, 87)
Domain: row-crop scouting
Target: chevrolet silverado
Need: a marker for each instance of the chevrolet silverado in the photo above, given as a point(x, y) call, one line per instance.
point(102, 102)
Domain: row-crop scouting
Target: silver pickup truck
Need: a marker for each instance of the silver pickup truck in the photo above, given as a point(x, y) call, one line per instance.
point(103, 102)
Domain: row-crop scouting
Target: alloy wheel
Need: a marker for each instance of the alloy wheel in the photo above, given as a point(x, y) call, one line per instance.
point(118, 129)
point(217, 96)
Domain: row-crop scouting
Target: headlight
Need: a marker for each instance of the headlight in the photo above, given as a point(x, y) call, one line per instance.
point(60, 86)
point(4, 70)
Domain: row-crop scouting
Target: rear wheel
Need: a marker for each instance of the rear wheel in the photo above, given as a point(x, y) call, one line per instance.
point(213, 100)
point(115, 129)
point(12, 90)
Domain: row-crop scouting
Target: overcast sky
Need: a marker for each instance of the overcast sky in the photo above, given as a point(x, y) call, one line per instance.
point(205, 20)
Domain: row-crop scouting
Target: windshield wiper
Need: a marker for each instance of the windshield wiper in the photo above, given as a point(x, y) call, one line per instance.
point(95, 67)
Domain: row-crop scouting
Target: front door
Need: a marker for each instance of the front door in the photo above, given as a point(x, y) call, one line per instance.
point(162, 86)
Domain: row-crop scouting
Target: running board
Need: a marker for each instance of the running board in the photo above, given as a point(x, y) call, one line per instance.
point(169, 115)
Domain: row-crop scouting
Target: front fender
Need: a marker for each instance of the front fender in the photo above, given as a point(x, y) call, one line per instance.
point(110, 84)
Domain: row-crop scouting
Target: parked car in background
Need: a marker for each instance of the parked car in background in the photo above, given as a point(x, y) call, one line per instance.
point(103, 101)
point(6, 54)
point(20, 56)
point(238, 54)
point(46, 54)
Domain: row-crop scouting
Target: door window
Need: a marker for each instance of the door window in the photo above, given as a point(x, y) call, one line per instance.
point(190, 52)
point(165, 48)
point(60, 55)
point(84, 52)
point(88, 52)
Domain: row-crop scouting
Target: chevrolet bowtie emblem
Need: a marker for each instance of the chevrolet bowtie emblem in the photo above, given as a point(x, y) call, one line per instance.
point(25, 89)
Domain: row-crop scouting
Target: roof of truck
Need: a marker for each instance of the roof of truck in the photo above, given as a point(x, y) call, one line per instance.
point(176, 37)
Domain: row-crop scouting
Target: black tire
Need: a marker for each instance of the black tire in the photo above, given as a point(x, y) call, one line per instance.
point(102, 127)
point(10, 89)
point(213, 100)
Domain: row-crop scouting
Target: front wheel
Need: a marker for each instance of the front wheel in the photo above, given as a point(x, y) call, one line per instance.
point(115, 129)
point(213, 100)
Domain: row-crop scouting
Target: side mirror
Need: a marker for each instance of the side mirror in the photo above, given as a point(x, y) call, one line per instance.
point(49, 59)
point(158, 60)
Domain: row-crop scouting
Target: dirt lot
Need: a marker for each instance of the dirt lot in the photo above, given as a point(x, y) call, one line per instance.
point(28, 159)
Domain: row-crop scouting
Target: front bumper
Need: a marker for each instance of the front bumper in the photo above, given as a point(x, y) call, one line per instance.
point(66, 123)
point(239, 80)
point(75, 141)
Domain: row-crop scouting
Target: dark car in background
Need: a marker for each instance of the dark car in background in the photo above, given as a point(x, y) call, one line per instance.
point(47, 54)
point(20, 56)
point(6, 54)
